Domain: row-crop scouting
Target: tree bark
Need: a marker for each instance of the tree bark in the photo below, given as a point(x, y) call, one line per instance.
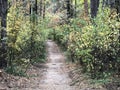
point(94, 7)
point(68, 9)
point(3, 48)
point(86, 7)
point(75, 8)
point(41, 1)
point(44, 10)
point(35, 7)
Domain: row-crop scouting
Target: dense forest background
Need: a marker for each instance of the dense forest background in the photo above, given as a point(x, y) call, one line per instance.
point(89, 30)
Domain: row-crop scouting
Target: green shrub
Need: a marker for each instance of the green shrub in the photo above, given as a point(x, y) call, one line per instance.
point(94, 45)
point(26, 40)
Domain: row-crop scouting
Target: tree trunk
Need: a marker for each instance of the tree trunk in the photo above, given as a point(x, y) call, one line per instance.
point(35, 7)
point(41, 7)
point(34, 12)
point(68, 9)
point(94, 7)
point(3, 46)
point(44, 10)
point(75, 8)
point(86, 7)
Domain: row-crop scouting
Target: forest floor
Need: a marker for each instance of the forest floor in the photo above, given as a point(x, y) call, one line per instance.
point(55, 74)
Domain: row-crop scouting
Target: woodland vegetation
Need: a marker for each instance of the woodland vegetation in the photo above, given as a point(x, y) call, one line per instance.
point(89, 30)
point(91, 36)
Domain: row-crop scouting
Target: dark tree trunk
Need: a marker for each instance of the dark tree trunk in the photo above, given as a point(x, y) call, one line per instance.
point(35, 7)
point(34, 12)
point(117, 6)
point(94, 7)
point(68, 8)
point(3, 46)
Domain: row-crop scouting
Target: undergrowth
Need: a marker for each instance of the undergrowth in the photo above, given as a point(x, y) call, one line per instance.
point(93, 43)
point(26, 40)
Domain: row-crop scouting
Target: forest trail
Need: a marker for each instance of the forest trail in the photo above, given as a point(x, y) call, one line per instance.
point(56, 77)
point(52, 75)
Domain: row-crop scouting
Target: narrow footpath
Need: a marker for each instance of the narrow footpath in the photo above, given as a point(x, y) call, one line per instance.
point(52, 75)
point(56, 77)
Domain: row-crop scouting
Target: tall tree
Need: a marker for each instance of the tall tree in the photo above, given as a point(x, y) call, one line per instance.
point(94, 7)
point(3, 46)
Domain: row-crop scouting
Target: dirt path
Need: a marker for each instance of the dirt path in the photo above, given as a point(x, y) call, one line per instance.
point(56, 77)
point(53, 75)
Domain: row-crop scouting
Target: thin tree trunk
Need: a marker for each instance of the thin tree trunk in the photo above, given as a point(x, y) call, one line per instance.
point(36, 7)
point(3, 48)
point(86, 7)
point(75, 8)
point(94, 8)
point(41, 7)
point(68, 9)
point(44, 10)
